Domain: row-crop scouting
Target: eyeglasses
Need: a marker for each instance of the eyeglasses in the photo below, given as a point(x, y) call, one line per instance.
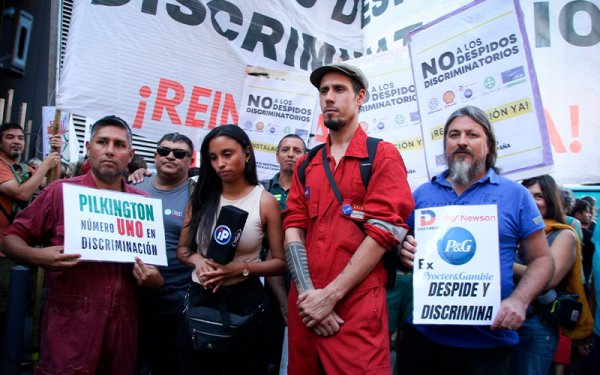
point(177, 152)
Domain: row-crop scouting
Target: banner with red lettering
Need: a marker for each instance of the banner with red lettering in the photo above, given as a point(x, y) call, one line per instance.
point(165, 66)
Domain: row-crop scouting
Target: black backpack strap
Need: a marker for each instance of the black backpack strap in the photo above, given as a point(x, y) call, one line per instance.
point(302, 168)
point(366, 165)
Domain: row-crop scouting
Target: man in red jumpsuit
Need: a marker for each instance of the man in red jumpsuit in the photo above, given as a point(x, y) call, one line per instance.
point(337, 315)
point(89, 324)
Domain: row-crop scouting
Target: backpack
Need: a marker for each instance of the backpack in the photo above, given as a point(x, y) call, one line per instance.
point(390, 260)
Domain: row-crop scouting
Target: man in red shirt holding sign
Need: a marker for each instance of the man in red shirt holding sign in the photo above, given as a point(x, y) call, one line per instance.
point(90, 316)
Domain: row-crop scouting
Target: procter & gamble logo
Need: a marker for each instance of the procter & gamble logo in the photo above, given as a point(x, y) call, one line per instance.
point(427, 218)
point(457, 246)
point(222, 234)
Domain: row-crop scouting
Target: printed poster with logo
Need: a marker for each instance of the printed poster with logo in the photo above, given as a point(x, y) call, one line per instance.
point(110, 226)
point(70, 147)
point(479, 55)
point(456, 277)
point(273, 106)
point(390, 109)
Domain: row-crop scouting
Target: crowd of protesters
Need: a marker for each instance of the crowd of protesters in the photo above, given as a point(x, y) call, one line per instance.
point(312, 262)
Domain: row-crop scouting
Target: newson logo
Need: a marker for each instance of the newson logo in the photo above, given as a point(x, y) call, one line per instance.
point(457, 246)
point(470, 218)
point(199, 107)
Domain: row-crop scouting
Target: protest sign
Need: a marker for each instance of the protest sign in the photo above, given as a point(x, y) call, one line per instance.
point(456, 278)
point(105, 225)
point(479, 55)
point(272, 108)
point(390, 109)
point(70, 147)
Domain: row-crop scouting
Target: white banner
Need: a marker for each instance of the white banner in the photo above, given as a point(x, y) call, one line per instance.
point(479, 56)
point(456, 276)
point(105, 225)
point(172, 67)
point(272, 108)
point(181, 68)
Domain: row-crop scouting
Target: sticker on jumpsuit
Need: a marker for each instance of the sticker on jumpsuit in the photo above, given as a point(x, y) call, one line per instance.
point(358, 211)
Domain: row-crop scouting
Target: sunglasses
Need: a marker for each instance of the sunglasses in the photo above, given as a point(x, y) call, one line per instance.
point(177, 152)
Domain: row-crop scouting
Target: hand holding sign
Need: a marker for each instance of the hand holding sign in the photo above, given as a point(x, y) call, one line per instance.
point(147, 275)
point(53, 258)
point(407, 252)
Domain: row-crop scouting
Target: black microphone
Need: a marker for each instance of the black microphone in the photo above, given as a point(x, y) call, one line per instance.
point(226, 235)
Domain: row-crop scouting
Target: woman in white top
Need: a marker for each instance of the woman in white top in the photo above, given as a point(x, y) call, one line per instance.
point(228, 177)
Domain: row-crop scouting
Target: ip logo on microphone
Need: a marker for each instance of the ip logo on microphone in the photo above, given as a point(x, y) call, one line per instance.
point(457, 246)
point(222, 234)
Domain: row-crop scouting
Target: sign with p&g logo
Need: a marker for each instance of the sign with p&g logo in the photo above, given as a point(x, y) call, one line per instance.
point(456, 276)
point(457, 246)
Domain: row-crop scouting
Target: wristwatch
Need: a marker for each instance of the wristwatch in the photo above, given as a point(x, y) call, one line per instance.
point(246, 270)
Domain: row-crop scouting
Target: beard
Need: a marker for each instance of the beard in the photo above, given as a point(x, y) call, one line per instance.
point(15, 154)
point(462, 172)
point(332, 124)
point(287, 170)
point(106, 175)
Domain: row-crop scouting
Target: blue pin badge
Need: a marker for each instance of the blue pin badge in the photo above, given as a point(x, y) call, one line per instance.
point(347, 209)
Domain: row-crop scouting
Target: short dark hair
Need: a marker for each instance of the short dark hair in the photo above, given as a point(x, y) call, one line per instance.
point(176, 138)
point(482, 119)
point(112, 120)
point(136, 163)
point(551, 193)
point(291, 136)
point(591, 200)
point(581, 205)
point(9, 125)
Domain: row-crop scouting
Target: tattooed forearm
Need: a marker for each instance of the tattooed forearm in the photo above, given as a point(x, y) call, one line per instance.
point(297, 261)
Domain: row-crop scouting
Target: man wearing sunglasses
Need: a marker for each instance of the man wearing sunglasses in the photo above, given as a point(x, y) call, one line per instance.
point(162, 349)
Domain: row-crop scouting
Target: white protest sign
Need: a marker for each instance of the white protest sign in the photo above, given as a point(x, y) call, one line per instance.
point(272, 108)
point(479, 55)
point(70, 147)
point(390, 109)
point(456, 277)
point(105, 225)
